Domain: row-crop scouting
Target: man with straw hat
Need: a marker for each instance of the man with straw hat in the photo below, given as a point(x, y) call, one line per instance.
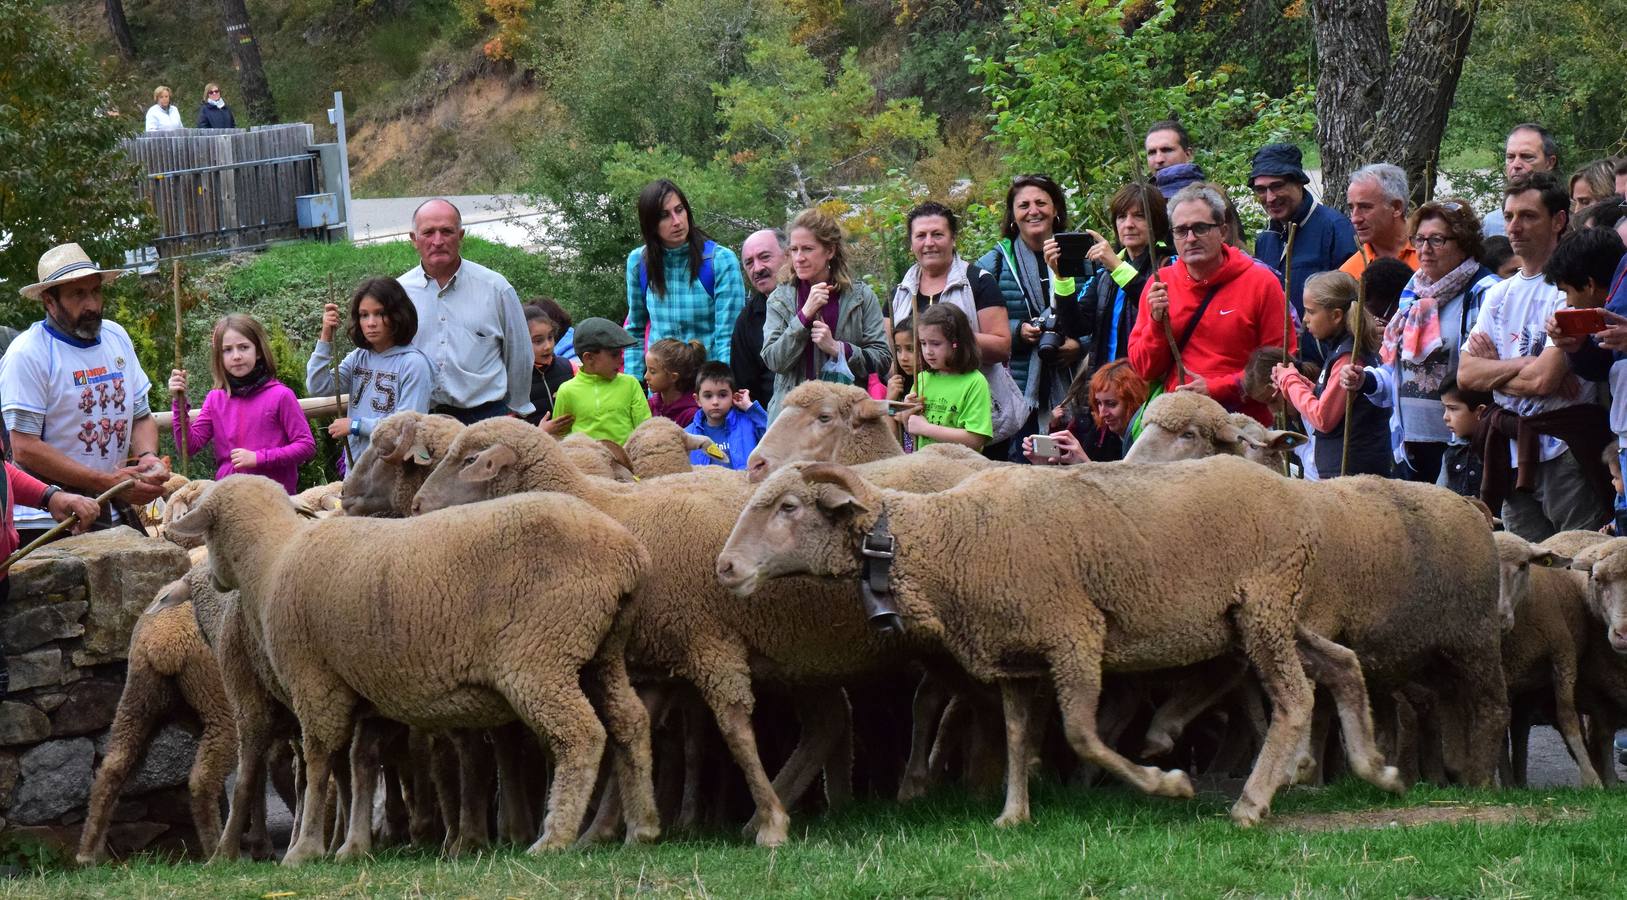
point(74, 397)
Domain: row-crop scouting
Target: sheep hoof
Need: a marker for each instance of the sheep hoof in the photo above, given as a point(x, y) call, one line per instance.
point(1160, 744)
point(1389, 779)
point(1012, 819)
point(912, 787)
point(349, 852)
point(773, 832)
point(642, 834)
point(549, 843)
point(88, 859)
point(1173, 783)
point(1590, 780)
point(1246, 814)
point(298, 856)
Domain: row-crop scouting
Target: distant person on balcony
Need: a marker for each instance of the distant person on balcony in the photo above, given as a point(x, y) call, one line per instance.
point(214, 113)
point(162, 115)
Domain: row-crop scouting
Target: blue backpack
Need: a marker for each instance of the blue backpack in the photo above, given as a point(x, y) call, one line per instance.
point(705, 276)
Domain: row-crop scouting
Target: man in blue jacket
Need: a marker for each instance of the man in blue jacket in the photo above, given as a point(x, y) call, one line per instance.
point(1325, 239)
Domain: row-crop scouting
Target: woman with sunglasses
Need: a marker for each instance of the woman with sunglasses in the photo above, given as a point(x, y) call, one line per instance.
point(214, 113)
point(1420, 348)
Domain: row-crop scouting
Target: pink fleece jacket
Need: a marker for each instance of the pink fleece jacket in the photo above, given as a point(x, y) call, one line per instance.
point(268, 422)
point(23, 489)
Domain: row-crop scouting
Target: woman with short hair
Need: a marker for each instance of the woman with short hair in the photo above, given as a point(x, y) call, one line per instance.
point(162, 115)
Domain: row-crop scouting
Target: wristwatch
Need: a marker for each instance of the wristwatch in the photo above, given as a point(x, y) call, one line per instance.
point(51, 490)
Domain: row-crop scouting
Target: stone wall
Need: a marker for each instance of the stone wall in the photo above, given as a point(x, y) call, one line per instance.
point(65, 633)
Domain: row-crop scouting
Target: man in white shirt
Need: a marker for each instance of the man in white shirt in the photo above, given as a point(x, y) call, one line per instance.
point(470, 324)
point(73, 393)
point(1508, 353)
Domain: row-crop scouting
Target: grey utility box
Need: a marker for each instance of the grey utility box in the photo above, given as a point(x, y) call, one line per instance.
point(317, 210)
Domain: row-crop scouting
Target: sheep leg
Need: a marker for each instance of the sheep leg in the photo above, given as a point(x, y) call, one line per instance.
point(1017, 698)
point(421, 801)
point(1485, 698)
point(952, 726)
point(1077, 673)
point(252, 707)
point(336, 817)
point(820, 712)
point(1601, 738)
point(692, 754)
point(839, 762)
point(726, 689)
point(321, 744)
point(207, 780)
point(474, 787)
point(1519, 746)
point(557, 710)
point(1337, 668)
point(1570, 725)
point(1192, 697)
point(513, 811)
point(146, 695)
point(444, 771)
point(1272, 649)
point(931, 696)
point(364, 775)
point(627, 724)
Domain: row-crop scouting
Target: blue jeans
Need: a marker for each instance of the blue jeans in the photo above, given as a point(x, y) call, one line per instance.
point(472, 414)
point(1619, 512)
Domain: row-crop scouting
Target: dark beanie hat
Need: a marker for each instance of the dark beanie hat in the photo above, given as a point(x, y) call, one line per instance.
point(1170, 179)
point(1279, 159)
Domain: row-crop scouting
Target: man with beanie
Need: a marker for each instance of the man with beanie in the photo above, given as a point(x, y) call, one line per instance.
point(1325, 238)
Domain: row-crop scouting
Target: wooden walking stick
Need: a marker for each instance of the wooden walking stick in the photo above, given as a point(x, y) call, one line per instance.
point(186, 424)
point(1287, 324)
point(333, 367)
point(1152, 240)
point(1353, 322)
point(62, 526)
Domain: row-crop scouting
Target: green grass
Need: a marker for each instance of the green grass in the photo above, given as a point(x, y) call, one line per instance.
point(1084, 843)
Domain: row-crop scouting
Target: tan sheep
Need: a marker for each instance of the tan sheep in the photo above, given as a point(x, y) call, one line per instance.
point(821, 421)
point(1542, 649)
point(684, 624)
point(812, 518)
point(404, 447)
point(660, 446)
point(1189, 425)
point(491, 633)
point(168, 660)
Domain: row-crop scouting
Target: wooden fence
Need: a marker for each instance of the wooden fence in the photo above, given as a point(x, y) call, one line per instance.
point(215, 189)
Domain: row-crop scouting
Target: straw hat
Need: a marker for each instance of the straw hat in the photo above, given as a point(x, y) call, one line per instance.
point(63, 264)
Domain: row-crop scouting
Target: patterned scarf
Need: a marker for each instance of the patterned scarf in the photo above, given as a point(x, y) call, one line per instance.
point(1414, 331)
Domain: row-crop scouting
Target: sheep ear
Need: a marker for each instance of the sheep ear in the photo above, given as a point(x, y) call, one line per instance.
point(192, 527)
point(1227, 433)
point(868, 410)
point(420, 456)
point(618, 454)
point(173, 594)
point(1550, 560)
point(1277, 440)
point(491, 461)
point(694, 442)
point(837, 488)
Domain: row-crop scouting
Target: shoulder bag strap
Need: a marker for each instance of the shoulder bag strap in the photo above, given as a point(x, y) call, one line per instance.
point(1192, 325)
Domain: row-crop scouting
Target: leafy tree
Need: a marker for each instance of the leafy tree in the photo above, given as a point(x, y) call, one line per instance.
point(62, 175)
point(1060, 91)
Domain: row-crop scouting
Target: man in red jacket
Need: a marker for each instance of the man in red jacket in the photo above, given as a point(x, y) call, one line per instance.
point(1221, 304)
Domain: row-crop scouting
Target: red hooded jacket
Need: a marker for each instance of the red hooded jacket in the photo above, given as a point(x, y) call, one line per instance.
point(1246, 313)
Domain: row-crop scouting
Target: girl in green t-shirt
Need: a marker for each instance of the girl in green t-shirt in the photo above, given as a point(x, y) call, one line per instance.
point(951, 402)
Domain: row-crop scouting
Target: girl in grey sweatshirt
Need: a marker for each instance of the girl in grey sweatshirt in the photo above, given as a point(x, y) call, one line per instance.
point(385, 374)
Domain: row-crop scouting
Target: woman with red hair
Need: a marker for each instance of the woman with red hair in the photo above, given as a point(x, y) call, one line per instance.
point(1094, 418)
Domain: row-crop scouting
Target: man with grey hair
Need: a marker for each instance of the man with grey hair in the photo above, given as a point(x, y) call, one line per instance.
point(470, 324)
point(1221, 307)
point(1378, 209)
point(761, 257)
point(1529, 148)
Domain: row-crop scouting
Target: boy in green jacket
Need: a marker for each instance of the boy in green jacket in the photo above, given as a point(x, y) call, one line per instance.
point(601, 399)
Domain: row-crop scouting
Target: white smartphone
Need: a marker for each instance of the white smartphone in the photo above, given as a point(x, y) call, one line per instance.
point(1045, 445)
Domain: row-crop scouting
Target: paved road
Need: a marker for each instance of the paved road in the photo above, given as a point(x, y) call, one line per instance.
point(503, 218)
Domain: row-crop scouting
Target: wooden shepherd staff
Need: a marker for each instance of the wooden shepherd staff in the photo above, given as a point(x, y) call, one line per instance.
point(179, 395)
point(1152, 239)
point(1353, 322)
point(1287, 326)
point(62, 526)
point(333, 367)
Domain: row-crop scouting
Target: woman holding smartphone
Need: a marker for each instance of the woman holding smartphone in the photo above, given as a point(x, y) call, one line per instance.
point(1420, 347)
point(1117, 286)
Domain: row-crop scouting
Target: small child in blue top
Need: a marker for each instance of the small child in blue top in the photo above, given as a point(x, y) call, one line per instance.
point(729, 418)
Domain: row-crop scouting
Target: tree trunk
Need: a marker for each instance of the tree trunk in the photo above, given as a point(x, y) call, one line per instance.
point(1353, 44)
point(257, 101)
point(120, 27)
point(1422, 83)
point(1372, 108)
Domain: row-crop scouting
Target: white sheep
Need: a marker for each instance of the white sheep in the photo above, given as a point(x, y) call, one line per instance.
point(1188, 425)
point(437, 633)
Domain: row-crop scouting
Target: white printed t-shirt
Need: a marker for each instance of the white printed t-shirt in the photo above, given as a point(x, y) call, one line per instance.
point(1514, 314)
point(82, 398)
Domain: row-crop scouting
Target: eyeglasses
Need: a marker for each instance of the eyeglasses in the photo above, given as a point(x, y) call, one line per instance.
point(1433, 242)
point(1274, 187)
point(1195, 230)
point(215, 91)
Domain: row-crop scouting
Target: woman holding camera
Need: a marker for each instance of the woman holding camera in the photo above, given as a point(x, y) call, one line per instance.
point(1112, 303)
point(822, 323)
point(1045, 329)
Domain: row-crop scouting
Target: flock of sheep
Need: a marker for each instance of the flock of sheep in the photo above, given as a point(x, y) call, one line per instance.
point(493, 599)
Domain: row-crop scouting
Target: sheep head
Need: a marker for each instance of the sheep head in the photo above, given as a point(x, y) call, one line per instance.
point(821, 421)
point(595, 457)
point(242, 506)
point(806, 518)
point(173, 594)
point(495, 458)
point(658, 446)
point(1606, 566)
point(1515, 557)
point(405, 446)
point(1189, 425)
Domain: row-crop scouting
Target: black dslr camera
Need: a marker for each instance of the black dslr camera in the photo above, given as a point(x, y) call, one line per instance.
point(1050, 339)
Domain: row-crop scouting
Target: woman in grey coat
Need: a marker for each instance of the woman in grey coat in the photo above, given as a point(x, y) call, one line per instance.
point(821, 324)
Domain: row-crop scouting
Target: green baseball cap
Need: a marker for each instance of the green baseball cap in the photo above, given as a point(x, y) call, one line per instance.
point(597, 333)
